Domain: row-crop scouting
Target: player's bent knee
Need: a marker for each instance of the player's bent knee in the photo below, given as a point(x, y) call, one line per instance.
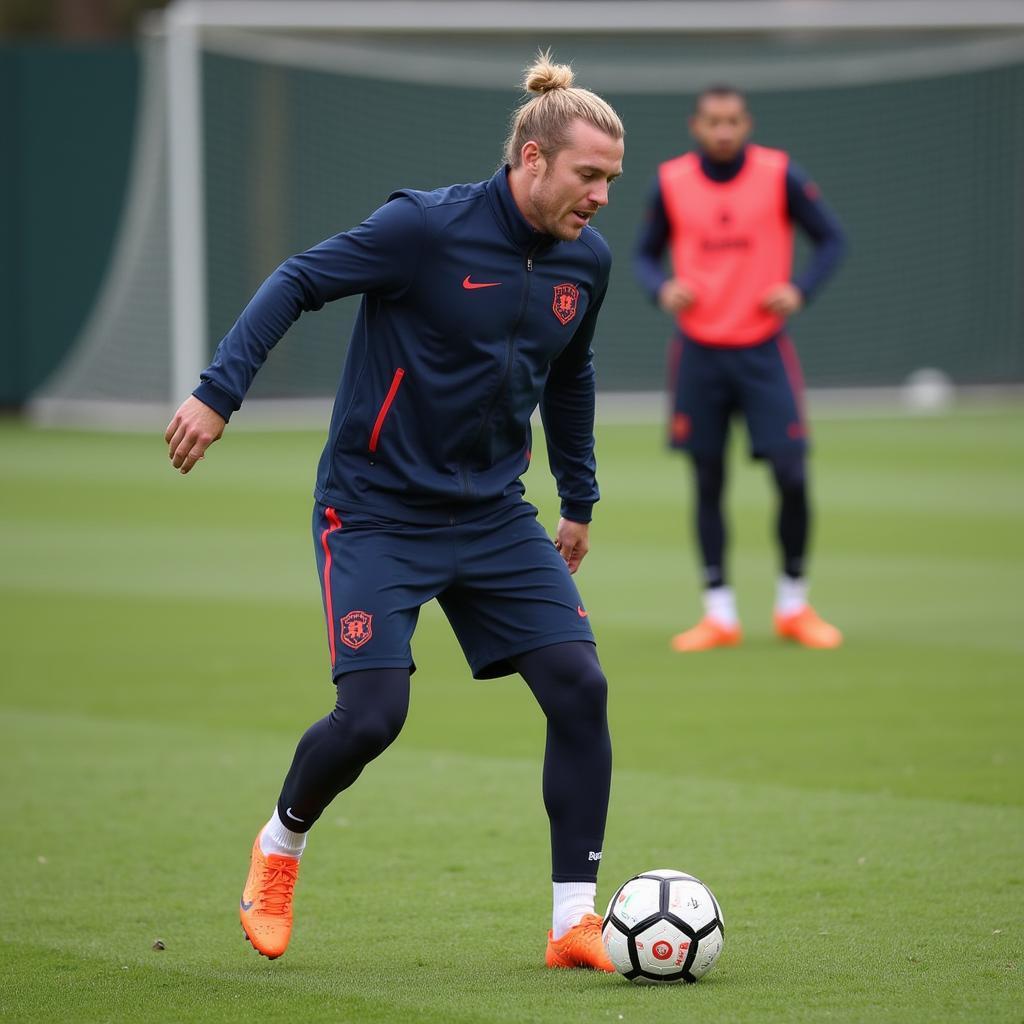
point(584, 684)
point(710, 477)
point(790, 472)
point(370, 712)
point(366, 735)
point(568, 683)
point(592, 683)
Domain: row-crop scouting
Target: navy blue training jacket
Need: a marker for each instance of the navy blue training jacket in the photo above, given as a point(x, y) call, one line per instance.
point(469, 319)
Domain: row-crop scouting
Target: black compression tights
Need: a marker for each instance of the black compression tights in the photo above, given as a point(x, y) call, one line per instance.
point(569, 685)
point(709, 481)
point(369, 714)
point(794, 520)
point(567, 681)
point(792, 525)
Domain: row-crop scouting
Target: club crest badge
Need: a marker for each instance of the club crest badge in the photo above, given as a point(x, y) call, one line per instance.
point(567, 297)
point(356, 629)
point(680, 427)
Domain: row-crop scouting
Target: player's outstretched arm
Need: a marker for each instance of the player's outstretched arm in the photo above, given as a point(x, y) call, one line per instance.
point(193, 428)
point(572, 542)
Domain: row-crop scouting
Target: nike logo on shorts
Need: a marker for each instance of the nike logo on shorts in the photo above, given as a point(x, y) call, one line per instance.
point(580, 612)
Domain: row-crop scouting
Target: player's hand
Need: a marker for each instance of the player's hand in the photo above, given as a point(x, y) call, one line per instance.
point(193, 429)
point(674, 296)
point(782, 299)
point(572, 542)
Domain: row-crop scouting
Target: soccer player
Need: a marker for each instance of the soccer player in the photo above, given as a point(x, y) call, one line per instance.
point(726, 215)
point(479, 303)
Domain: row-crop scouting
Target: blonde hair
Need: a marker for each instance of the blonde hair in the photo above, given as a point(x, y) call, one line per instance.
point(557, 103)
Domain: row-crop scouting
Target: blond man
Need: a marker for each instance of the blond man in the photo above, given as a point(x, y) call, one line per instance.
point(479, 303)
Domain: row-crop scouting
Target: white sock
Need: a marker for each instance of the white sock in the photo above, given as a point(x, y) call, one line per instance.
point(720, 605)
point(277, 838)
point(571, 900)
point(790, 595)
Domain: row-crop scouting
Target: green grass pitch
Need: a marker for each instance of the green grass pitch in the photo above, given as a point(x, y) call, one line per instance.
point(859, 813)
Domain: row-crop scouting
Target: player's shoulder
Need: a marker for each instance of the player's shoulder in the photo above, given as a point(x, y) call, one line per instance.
point(447, 195)
point(682, 163)
point(766, 156)
point(677, 171)
point(593, 241)
point(453, 211)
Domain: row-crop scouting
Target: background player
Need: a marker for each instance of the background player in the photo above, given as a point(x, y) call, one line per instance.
point(479, 302)
point(726, 213)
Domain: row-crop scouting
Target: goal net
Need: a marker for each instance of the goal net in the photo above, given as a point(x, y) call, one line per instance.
point(279, 130)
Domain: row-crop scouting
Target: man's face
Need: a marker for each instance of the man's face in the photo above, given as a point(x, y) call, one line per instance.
point(570, 187)
point(721, 126)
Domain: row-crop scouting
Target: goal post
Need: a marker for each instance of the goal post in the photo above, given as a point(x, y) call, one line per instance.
point(187, 228)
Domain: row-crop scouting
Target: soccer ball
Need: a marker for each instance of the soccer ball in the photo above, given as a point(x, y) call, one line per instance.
point(663, 927)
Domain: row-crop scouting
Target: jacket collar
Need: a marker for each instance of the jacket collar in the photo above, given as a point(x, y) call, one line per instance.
point(520, 232)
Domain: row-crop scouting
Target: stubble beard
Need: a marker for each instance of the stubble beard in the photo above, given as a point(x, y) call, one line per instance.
point(547, 215)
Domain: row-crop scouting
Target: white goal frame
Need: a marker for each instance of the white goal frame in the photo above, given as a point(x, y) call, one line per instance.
point(284, 33)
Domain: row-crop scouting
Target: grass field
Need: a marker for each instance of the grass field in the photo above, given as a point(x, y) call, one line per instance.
point(859, 813)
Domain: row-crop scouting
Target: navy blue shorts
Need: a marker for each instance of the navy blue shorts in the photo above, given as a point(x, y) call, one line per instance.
point(710, 384)
point(498, 578)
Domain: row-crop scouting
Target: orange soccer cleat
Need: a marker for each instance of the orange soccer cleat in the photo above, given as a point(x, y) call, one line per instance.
point(266, 906)
point(580, 946)
point(707, 634)
point(808, 628)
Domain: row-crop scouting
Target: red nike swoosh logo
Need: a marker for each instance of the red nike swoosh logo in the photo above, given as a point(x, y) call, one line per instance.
point(482, 284)
point(582, 614)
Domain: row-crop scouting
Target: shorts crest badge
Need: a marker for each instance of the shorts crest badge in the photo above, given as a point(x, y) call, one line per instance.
point(356, 629)
point(680, 427)
point(567, 297)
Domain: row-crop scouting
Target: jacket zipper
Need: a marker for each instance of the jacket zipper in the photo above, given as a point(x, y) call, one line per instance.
point(382, 415)
point(510, 349)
